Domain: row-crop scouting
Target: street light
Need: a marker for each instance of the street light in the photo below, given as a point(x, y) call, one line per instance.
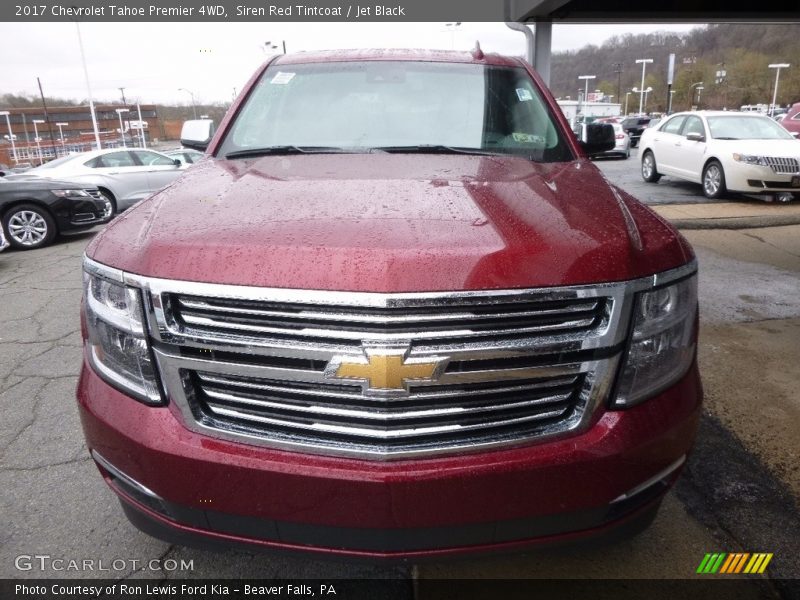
point(778, 67)
point(5, 113)
point(586, 79)
point(626, 102)
point(451, 27)
point(194, 106)
point(644, 62)
point(270, 46)
point(643, 96)
point(36, 135)
point(61, 131)
point(700, 88)
point(691, 95)
point(121, 133)
point(669, 108)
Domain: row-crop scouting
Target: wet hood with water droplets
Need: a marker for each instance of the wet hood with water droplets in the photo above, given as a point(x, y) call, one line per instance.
point(391, 223)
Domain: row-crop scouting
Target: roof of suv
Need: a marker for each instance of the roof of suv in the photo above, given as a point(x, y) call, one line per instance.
point(372, 54)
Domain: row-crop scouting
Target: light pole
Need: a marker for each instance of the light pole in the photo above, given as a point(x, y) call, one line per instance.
point(586, 79)
point(6, 114)
point(451, 27)
point(644, 62)
point(194, 106)
point(626, 102)
point(700, 88)
point(141, 124)
point(122, 133)
point(61, 132)
point(36, 135)
point(777, 67)
point(270, 46)
point(643, 95)
point(691, 95)
point(669, 108)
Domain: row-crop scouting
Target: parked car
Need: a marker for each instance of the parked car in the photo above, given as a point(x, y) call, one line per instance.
point(634, 126)
point(723, 151)
point(791, 120)
point(396, 312)
point(3, 242)
point(185, 155)
point(33, 212)
point(123, 176)
point(19, 167)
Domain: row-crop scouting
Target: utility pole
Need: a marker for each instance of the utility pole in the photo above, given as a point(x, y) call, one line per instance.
point(46, 117)
point(122, 91)
point(618, 71)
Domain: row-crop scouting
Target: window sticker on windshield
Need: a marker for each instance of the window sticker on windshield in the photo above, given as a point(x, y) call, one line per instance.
point(282, 78)
point(524, 95)
point(527, 138)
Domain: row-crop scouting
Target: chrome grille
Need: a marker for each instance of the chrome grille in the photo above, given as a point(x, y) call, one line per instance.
point(783, 165)
point(260, 365)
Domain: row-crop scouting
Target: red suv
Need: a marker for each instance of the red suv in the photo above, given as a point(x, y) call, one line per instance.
point(395, 312)
point(791, 121)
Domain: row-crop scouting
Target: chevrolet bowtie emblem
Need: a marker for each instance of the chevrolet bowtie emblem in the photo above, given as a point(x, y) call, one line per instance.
point(385, 371)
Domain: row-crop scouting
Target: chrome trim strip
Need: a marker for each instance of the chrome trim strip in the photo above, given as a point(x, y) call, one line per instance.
point(124, 477)
point(652, 481)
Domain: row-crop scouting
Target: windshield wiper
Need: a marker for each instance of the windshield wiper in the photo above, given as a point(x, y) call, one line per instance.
point(287, 150)
point(727, 138)
point(432, 149)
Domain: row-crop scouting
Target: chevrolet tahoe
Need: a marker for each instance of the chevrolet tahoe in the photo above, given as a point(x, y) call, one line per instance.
point(395, 312)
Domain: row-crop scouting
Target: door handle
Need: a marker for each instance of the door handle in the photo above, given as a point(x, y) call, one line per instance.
point(677, 143)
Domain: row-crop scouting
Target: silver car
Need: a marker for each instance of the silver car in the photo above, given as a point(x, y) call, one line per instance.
point(124, 176)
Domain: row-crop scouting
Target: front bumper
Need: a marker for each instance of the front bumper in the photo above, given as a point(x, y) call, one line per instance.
point(234, 493)
point(754, 179)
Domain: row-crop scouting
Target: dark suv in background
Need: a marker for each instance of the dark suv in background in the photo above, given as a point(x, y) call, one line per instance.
point(634, 126)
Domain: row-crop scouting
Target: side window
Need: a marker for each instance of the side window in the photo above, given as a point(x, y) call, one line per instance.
point(693, 125)
point(95, 163)
point(117, 159)
point(151, 159)
point(673, 125)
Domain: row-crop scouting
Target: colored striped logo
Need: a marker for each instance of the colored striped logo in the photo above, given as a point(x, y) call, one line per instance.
point(742, 562)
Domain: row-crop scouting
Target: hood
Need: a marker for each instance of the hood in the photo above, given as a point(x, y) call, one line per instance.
point(788, 148)
point(390, 223)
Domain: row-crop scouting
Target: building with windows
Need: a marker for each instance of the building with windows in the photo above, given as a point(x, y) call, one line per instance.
point(38, 138)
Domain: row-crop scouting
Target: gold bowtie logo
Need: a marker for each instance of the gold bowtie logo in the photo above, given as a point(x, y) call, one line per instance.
point(385, 371)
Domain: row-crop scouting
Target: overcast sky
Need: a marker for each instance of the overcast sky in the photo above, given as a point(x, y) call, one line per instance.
point(151, 61)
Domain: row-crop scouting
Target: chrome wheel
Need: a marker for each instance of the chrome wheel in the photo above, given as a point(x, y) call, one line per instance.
point(27, 228)
point(712, 180)
point(647, 166)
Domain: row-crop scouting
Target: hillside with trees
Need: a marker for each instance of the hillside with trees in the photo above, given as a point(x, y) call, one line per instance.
point(743, 51)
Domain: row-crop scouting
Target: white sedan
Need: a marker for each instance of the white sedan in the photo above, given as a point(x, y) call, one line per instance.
point(123, 176)
point(724, 151)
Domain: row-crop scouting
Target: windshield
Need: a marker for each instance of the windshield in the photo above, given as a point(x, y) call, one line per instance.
point(746, 128)
point(397, 106)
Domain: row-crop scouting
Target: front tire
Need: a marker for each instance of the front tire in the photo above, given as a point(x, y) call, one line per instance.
point(713, 180)
point(649, 169)
point(110, 197)
point(28, 226)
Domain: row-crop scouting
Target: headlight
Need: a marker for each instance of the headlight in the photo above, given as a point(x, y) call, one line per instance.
point(750, 159)
point(117, 344)
point(71, 193)
point(662, 345)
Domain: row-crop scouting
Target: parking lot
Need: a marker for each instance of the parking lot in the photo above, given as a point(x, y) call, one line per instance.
point(739, 491)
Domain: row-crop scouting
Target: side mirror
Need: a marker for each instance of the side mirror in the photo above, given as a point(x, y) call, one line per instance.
point(794, 133)
point(695, 137)
point(177, 162)
point(197, 134)
point(597, 138)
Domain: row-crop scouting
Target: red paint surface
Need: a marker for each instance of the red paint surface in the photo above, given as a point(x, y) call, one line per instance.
point(621, 450)
point(390, 223)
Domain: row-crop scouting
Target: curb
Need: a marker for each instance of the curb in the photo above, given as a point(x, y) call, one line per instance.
point(753, 222)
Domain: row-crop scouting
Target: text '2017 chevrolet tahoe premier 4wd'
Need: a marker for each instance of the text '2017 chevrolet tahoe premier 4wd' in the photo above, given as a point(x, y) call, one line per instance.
point(395, 312)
